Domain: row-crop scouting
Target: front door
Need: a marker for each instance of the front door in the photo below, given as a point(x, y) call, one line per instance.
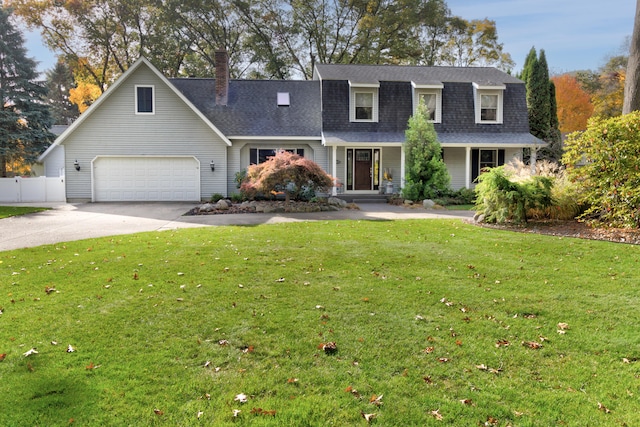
point(363, 169)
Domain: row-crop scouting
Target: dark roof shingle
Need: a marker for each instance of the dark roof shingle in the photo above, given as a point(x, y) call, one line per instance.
point(252, 108)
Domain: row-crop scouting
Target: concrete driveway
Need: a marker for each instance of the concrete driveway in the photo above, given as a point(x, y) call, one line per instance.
point(66, 222)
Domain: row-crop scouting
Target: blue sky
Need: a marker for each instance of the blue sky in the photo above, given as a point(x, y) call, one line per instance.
point(575, 34)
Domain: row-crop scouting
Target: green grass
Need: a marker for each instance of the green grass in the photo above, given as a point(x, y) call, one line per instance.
point(416, 309)
point(7, 211)
point(469, 207)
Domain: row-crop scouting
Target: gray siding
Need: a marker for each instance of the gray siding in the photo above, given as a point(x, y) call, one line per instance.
point(54, 164)
point(115, 129)
point(238, 155)
point(455, 160)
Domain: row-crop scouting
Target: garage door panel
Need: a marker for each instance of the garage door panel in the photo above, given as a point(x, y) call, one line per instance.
point(146, 179)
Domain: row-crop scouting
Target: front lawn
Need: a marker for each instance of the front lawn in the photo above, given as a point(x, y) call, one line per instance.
point(7, 211)
point(434, 323)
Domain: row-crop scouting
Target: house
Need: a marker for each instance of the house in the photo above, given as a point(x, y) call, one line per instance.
point(149, 138)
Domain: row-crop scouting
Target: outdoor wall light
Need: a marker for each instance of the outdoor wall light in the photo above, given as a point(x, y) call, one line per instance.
point(213, 166)
point(76, 165)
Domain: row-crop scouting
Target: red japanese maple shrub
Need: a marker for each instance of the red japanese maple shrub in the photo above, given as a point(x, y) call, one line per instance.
point(287, 173)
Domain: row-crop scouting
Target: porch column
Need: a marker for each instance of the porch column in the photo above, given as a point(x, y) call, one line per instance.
point(402, 157)
point(532, 159)
point(467, 167)
point(334, 169)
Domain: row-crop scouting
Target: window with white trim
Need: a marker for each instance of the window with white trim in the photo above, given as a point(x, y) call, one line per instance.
point(261, 155)
point(432, 99)
point(364, 103)
point(488, 103)
point(145, 100)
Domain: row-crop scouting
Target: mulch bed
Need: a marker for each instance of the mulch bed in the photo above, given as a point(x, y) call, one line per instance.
point(574, 228)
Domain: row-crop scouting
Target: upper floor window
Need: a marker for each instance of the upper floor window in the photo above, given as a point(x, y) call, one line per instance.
point(364, 103)
point(431, 96)
point(145, 103)
point(488, 103)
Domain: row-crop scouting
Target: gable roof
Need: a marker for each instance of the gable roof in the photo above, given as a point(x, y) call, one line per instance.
point(420, 75)
point(142, 61)
point(252, 108)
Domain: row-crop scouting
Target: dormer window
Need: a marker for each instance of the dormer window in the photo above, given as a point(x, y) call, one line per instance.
point(145, 102)
point(364, 102)
point(488, 99)
point(431, 96)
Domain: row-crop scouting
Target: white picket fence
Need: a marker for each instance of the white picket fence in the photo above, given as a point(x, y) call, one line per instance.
point(37, 189)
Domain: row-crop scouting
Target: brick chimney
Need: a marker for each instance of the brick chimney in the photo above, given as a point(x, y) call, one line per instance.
point(222, 77)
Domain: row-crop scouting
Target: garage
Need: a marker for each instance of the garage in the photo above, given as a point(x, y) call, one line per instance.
point(146, 178)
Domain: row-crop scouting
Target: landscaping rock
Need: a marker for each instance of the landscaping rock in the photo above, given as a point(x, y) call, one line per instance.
point(428, 204)
point(334, 201)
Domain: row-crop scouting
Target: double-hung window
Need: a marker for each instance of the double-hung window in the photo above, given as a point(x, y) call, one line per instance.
point(145, 102)
point(488, 101)
point(431, 96)
point(363, 102)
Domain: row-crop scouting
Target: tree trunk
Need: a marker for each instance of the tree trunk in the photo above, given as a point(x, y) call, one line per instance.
point(632, 80)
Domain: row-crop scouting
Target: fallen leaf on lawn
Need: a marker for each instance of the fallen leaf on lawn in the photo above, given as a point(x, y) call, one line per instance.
point(353, 391)
point(49, 289)
point(158, 412)
point(248, 349)
point(427, 379)
point(458, 342)
point(437, 415)
point(330, 347)
point(236, 412)
point(30, 352)
point(70, 349)
point(563, 326)
point(443, 359)
point(502, 343)
point(319, 307)
point(223, 342)
point(242, 398)
point(200, 413)
point(280, 279)
point(482, 367)
point(135, 276)
point(2, 356)
point(292, 380)
point(532, 344)
point(428, 350)
point(260, 411)
point(603, 408)
point(368, 417)
point(491, 421)
point(466, 401)
point(624, 360)
point(91, 366)
point(561, 332)
point(376, 400)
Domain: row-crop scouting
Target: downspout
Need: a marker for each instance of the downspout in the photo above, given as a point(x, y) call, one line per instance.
point(334, 169)
point(467, 168)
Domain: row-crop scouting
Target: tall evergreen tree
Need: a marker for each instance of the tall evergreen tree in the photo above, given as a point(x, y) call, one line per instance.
point(59, 81)
point(426, 174)
point(24, 117)
point(543, 115)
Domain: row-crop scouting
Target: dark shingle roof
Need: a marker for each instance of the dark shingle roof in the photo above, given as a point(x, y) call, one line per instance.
point(416, 74)
point(447, 139)
point(252, 108)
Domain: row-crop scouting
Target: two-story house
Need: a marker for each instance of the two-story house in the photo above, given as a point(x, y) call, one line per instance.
point(157, 139)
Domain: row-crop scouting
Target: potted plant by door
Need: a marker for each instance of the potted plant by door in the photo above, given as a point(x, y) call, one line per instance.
point(388, 176)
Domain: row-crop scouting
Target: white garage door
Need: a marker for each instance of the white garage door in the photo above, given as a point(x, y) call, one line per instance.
point(124, 179)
